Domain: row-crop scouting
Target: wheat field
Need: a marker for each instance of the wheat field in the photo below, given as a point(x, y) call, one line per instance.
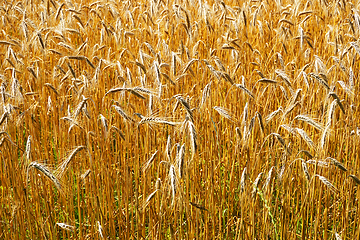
point(183, 119)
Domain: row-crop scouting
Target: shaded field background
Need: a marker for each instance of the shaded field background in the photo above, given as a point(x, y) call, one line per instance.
point(179, 119)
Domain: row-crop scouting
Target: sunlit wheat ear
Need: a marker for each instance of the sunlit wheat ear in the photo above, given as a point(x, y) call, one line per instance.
point(193, 136)
point(154, 120)
point(338, 101)
point(328, 183)
point(41, 168)
point(310, 121)
point(148, 199)
point(256, 184)
point(320, 80)
point(249, 130)
point(242, 180)
point(355, 178)
point(337, 164)
point(224, 113)
point(85, 175)
point(172, 177)
point(282, 141)
point(180, 160)
point(239, 86)
point(186, 106)
point(122, 113)
point(168, 148)
point(149, 162)
point(268, 178)
point(273, 114)
point(284, 77)
point(65, 226)
point(206, 94)
point(104, 123)
point(63, 166)
point(305, 170)
point(306, 138)
point(318, 163)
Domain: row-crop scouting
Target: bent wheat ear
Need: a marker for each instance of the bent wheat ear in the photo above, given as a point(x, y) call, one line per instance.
point(66, 227)
point(122, 113)
point(41, 168)
point(309, 121)
point(355, 178)
point(327, 183)
point(305, 169)
point(337, 164)
point(149, 162)
point(223, 112)
point(63, 166)
point(256, 184)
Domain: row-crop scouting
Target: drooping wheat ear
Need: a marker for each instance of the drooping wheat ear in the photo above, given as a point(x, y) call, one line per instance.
point(122, 113)
point(186, 106)
point(324, 136)
point(149, 162)
point(290, 108)
point(284, 77)
point(41, 168)
point(268, 179)
point(256, 184)
point(338, 101)
point(318, 163)
point(337, 163)
point(3, 117)
point(104, 122)
point(306, 138)
point(242, 180)
point(155, 120)
point(282, 141)
point(273, 114)
point(180, 160)
point(305, 169)
point(260, 121)
point(206, 93)
point(327, 183)
point(224, 113)
point(168, 148)
point(355, 178)
point(66, 227)
point(249, 130)
point(172, 177)
point(310, 121)
point(193, 136)
point(63, 166)
point(331, 113)
point(79, 107)
point(148, 199)
point(320, 80)
point(307, 153)
point(242, 87)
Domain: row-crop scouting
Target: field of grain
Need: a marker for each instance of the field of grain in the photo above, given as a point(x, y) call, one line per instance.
point(186, 119)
